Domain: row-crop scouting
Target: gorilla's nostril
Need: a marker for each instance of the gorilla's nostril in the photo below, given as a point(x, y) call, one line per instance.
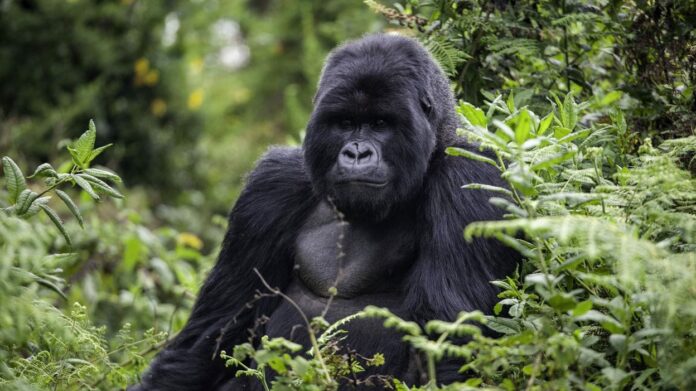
point(349, 154)
point(364, 154)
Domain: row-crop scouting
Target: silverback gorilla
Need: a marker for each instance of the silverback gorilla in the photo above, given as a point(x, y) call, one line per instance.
point(370, 205)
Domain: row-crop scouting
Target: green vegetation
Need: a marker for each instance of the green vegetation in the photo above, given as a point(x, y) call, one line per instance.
point(588, 107)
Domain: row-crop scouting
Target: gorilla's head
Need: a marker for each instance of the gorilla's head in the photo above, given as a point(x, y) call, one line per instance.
point(382, 112)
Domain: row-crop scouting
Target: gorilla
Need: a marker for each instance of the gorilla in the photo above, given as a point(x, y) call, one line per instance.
point(369, 210)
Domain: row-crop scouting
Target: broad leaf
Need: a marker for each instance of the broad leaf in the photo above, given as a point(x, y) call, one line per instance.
point(82, 148)
point(85, 186)
point(545, 123)
point(71, 206)
point(56, 221)
point(481, 186)
point(96, 153)
point(15, 179)
point(570, 112)
point(523, 126)
point(95, 172)
point(44, 170)
point(473, 114)
point(35, 207)
point(24, 201)
point(454, 151)
point(101, 185)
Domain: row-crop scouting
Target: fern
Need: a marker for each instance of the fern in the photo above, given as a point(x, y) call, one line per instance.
point(447, 55)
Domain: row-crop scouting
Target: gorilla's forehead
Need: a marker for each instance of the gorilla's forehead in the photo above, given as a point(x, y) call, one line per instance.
point(365, 93)
point(362, 102)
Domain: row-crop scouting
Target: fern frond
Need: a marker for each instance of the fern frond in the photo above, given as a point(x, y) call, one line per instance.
point(447, 55)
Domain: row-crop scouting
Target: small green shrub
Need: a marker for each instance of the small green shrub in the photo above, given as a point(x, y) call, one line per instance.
point(45, 342)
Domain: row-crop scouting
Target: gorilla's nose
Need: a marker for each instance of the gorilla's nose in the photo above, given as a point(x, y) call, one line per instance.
point(357, 154)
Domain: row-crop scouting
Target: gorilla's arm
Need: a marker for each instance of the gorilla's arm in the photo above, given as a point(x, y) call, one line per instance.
point(450, 274)
point(261, 233)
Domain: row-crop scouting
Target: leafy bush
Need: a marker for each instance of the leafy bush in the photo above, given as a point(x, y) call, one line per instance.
point(605, 297)
point(643, 48)
point(62, 62)
point(48, 267)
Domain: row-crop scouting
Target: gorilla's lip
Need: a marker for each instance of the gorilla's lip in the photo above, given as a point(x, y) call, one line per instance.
point(362, 182)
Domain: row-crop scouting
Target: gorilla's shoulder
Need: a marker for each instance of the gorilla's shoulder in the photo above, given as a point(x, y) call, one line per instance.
point(464, 166)
point(278, 192)
point(280, 163)
point(450, 173)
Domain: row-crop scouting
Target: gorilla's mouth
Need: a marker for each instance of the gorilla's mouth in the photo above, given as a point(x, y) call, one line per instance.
point(362, 182)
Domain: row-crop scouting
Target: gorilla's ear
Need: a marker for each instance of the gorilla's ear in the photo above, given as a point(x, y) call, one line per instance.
point(426, 103)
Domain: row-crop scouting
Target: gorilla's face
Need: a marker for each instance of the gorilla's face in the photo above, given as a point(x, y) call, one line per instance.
point(369, 140)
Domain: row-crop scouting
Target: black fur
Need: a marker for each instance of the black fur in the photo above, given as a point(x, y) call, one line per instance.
point(386, 76)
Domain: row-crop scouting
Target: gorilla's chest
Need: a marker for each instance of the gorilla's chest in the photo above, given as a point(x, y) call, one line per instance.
point(355, 258)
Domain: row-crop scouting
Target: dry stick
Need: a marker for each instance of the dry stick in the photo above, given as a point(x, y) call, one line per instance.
point(339, 257)
point(246, 306)
point(312, 337)
point(537, 362)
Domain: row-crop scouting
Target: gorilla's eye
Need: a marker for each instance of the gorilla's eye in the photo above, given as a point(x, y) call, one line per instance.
point(380, 123)
point(346, 123)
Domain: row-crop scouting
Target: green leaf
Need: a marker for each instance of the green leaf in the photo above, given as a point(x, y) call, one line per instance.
point(491, 109)
point(571, 112)
point(473, 114)
point(554, 159)
point(82, 148)
point(582, 308)
point(399, 386)
point(473, 382)
point(481, 186)
point(96, 153)
point(562, 302)
point(24, 201)
point(561, 131)
point(503, 325)
point(618, 342)
point(545, 123)
point(103, 174)
point(607, 322)
point(575, 135)
point(15, 179)
point(44, 170)
point(454, 151)
point(71, 206)
point(504, 130)
point(35, 207)
point(510, 102)
point(85, 186)
point(614, 375)
point(56, 221)
point(101, 185)
point(610, 98)
point(523, 126)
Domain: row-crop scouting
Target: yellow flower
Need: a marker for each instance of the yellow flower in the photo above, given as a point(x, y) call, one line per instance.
point(195, 99)
point(158, 107)
point(190, 240)
point(141, 68)
point(152, 77)
point(196, 65)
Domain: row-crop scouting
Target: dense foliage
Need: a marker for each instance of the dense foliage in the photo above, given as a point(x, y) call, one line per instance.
point(588, 108)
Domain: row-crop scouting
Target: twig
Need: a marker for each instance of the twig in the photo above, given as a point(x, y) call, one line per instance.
point(310, 332)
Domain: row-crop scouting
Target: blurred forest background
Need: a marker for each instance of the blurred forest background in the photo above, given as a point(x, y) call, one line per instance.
point(191, 93)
